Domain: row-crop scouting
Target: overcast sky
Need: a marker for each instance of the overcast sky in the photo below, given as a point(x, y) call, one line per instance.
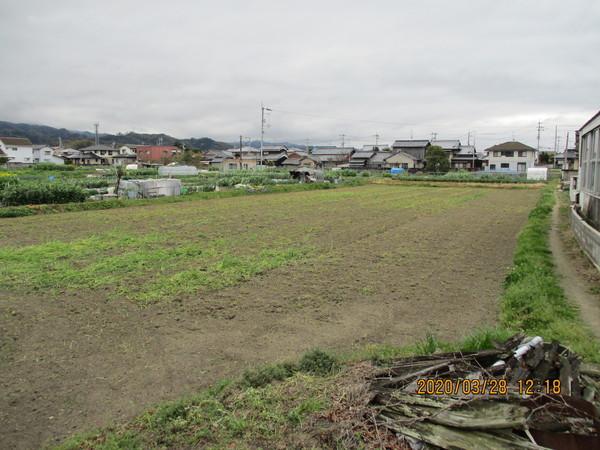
point(326, 68)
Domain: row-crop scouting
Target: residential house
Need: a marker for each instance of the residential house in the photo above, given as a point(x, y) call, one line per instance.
point(450, 146)
point(568, 163)
point(406, 161)
point(300, 159)
point(333, 156)
point(585, 217)
point(417, 148)
point(360, 159)
point(273, 155)
point(99, 155)
point(245, 160)
point(370, 157)
point(45, 154)
point(161, 154)
point(379, 160)
point(17, 150)
point(467, 158)
point(511, 156)
point(220, 159)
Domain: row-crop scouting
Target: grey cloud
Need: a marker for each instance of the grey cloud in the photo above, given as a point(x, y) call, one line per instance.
point(196, 68)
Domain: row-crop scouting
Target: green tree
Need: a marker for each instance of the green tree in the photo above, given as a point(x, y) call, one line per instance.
point(187, 157)
point(546, 158)
point(78, 143)
point(120, 173)
point(437, 160)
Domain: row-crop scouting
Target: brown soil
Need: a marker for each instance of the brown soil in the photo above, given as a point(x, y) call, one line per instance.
point(78, 361)
point(578, 277)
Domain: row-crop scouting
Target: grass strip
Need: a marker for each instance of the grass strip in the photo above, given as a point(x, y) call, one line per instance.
point(533, 299)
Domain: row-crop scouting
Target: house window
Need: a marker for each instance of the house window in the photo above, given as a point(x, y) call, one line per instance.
point(47, 152)
point(509, 154)
point(521, 167)
point(521, 154)
point(405, 166)
point(505, 166)
point(497, 154)
point(492, 166)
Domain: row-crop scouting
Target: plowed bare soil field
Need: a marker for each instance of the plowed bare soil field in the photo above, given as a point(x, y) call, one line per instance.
point(103, 313)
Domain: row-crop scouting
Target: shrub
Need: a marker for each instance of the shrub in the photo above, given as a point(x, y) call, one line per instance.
point(365, 174)
point(267, 374)
point(19, 211)
point(38, 194)
point(318, 362)
point(6, 179)
point(52, 166)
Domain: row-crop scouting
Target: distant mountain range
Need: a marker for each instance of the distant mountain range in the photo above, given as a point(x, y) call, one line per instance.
point(42, 134)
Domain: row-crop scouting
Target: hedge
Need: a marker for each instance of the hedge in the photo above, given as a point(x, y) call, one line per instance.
point(38, 194)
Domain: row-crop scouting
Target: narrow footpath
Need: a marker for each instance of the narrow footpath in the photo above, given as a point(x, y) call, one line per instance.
point(576, 288)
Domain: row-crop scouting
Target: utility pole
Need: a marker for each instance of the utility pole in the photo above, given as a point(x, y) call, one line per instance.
point(567, 142)
point(540, 128)
point(241, 137)
point(555, 139)
point(307, 151)
point(343, 136)
point(262, 130)
point(376, 140)
point(469, 138)
point(96, 140)
point(434, 136)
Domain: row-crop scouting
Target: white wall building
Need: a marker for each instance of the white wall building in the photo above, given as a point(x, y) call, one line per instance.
point(18, 150)
point(45, 154)
point(510, 156)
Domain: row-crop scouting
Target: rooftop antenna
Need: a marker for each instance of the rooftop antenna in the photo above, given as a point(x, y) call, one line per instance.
point(96, 140)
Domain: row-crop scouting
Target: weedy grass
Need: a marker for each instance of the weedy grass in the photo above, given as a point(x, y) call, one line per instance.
point(144, 257)
point(231, 414)
point(533, 300)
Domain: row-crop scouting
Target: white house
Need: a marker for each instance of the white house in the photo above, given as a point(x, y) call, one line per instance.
point(45, 154)
point(18, 150)
point(512, 156)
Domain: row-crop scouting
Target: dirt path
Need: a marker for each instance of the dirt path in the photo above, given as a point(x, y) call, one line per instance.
point(577, 287)
point(384, 273)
